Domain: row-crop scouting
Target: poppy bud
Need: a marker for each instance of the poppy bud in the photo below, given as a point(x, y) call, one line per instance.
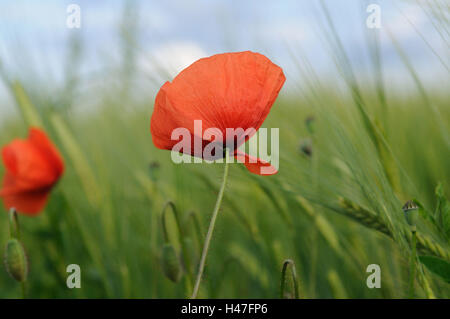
point(411, 211)
point(154, 170)
point(306, 147)
point(16, 260)
point(171, 263)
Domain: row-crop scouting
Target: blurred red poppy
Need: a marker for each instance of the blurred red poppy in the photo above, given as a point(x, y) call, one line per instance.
point(33, 166)
point(229, 90)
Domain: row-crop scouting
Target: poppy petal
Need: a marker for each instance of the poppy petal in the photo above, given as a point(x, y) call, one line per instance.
point(9, 185)
point(30, 168)
point(230, 90)
point(33, 166)
point(29, 203)
point(40, 140)
point(163, 122)
point(255, 165)
point(9, 159)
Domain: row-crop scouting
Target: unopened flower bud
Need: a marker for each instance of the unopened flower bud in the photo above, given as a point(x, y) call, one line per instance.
point(171, 263)
point(16, 260)
point(306, 147)
point(154, 168)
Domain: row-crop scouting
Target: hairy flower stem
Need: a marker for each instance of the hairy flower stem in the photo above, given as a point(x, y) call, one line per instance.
point(412, 265)
point(212, 223)
point(14, 229)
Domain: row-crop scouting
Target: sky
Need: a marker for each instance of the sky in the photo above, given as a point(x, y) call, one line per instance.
point(34, 37)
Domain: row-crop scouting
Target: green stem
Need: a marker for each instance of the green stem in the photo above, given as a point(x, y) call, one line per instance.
point(412, 266)
point(14, 229)
point(23, 288)
point(212, 223)
point(315, 248)
point(286, 263)
point(177, 220)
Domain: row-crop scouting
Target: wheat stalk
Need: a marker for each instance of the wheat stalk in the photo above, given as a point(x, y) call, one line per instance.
point(371, 220)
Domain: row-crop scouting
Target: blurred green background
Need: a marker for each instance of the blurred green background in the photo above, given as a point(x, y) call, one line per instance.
point(364, 127)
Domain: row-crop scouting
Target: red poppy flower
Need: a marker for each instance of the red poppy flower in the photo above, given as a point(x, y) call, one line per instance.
point(230, 90)
point(33, 166)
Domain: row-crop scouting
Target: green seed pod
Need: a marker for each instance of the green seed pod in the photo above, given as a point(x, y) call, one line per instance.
point(171, 263)
point(411, 212)
point(16, 260)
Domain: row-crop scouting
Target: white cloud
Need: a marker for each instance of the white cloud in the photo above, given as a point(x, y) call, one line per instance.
point(153, 18)
point(171, 58)
point(403, 24)
point(288, 31)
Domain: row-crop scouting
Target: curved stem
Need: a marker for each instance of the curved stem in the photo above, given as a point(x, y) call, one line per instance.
point(412, 266)
point(212, 223)
point(177, 220)
point(286, 263)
